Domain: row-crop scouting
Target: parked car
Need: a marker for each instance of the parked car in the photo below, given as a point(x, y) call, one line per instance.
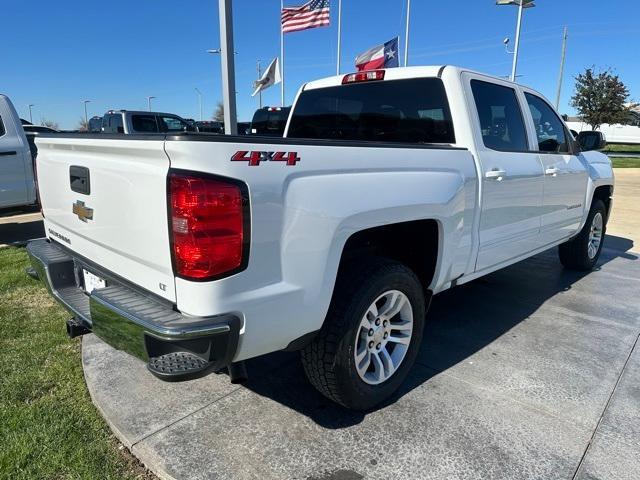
point(210, 126)
point(17, 177)
point(270, 121)
point(244, 128)
point(197, 252)
point(132, 122)
point(95, 124)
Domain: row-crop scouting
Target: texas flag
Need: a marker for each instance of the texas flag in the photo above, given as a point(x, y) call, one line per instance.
point(380, 56)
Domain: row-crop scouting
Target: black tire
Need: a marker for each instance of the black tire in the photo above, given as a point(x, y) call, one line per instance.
point(329, 361)
point(574, 254)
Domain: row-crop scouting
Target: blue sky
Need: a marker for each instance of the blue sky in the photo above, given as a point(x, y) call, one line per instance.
point(116, 53)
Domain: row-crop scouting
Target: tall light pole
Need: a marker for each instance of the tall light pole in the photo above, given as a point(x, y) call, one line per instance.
point(406, 35)
point(522, 4)
point(31, 105)
point(228, 67)
point(199, 101)
point(86, 116)
point(339, 41)
point(259, 77)
point(562, 58)
point(149, 102)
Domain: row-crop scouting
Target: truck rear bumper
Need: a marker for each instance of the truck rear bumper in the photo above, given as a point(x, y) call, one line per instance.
point(176, 347)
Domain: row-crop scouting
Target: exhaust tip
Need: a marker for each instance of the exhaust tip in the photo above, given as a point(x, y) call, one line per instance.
point(76, 328)
point(33, 273)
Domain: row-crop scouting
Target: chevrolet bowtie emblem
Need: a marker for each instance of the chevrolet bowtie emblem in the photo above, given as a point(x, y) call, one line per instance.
point(83, 212)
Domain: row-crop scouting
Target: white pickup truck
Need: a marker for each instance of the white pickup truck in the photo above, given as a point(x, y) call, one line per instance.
point(195, 252)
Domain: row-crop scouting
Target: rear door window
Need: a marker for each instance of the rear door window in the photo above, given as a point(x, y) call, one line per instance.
point(552, 136)
point(500, 117)
point(171, 124)
point(144, 123)
point(2, 130)
point(407, 111)
point(116, 124)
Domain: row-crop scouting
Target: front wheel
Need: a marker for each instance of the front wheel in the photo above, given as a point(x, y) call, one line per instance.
point(370, 337)
point(583, 251)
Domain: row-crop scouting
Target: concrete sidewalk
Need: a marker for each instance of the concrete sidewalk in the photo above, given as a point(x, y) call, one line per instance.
point(625, 217)
point(530, 372)
point(16, 229)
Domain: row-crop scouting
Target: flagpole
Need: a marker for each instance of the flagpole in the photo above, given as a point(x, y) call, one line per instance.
point(339, 35)
point(406, 35)
point(281, 56)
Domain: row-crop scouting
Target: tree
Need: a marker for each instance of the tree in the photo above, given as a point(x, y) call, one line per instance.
point(83, 126)
point(49, 123)
point(218, 115)
point(600, 98)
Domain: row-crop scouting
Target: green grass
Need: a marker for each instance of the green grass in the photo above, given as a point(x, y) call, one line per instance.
point(49, 429)
point(621, 148)
point(625, 162)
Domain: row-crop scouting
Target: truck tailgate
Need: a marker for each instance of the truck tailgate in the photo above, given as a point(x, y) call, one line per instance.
point(118, 217)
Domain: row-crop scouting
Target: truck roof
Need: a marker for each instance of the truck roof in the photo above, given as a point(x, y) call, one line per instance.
point(396, 74)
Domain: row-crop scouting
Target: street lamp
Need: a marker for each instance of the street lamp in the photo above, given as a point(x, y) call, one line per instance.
point(506, 46)
point(31, 105)
point(199, 101)
point(86, 117)
point(149, 101)
point(228, 67)
point(522, 4)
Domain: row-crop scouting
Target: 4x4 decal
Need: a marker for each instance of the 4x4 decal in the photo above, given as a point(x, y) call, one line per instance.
point(254, 158)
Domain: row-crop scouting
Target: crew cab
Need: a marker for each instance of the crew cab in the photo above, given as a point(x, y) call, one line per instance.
point(17, 177)
point(195, 252)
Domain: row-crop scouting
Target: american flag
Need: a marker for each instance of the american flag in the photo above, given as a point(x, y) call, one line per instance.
point(310, 15)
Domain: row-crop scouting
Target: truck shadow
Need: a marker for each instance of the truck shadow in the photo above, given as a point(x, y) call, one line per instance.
point(18, 233)
point(461, 322)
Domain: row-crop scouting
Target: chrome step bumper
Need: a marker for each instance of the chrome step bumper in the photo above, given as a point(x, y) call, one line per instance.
point(130, 320)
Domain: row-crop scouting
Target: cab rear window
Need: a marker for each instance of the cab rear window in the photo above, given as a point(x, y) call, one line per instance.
point(406, 111)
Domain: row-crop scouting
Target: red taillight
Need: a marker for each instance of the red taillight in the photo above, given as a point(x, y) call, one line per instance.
point(207, 226)
point(366, 76)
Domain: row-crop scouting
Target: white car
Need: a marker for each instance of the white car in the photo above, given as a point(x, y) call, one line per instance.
point(628, 134)
point(17, 179)
point(195, 252)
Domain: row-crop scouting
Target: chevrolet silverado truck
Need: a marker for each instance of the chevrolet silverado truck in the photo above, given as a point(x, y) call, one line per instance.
point(195, 252)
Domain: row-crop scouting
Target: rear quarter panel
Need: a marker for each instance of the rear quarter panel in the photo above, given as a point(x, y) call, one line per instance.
point(303, 214)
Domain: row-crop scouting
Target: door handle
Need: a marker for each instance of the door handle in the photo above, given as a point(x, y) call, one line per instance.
point(553, 171)
point(7, 153)
point(495, 174)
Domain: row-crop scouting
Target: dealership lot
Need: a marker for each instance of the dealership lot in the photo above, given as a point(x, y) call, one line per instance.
point(531, 372)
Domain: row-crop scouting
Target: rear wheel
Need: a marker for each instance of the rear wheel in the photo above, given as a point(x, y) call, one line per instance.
point(583, 251)
point(370, 337)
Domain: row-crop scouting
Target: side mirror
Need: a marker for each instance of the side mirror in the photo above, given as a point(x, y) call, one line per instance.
point(593, 140)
